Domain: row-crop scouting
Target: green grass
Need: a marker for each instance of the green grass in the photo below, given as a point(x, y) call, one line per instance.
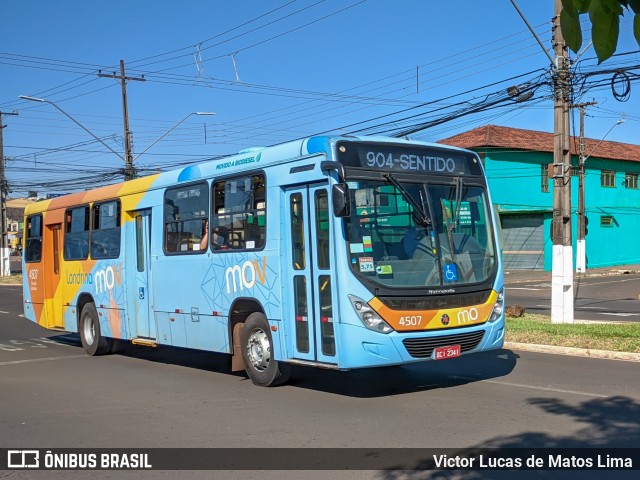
point(620, 337)
point(15, 279)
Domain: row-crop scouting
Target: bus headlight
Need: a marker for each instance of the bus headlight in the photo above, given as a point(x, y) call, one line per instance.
point(498, 307)
point(368, 316)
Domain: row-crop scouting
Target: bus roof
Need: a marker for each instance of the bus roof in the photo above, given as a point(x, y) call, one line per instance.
point(246, 159)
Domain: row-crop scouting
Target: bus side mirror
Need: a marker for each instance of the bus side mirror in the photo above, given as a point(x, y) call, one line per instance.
point(340, 200)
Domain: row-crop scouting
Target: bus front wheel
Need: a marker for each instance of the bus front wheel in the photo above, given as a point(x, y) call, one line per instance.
point(92, 340)
point(257, 353)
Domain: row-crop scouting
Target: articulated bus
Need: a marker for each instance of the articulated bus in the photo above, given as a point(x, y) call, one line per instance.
point(334, 252)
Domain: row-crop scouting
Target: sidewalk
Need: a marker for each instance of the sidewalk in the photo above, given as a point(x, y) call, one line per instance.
point(521, 276)
point(513, 277)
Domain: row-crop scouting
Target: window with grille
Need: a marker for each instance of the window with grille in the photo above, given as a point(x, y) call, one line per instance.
point(608, 178)
point(544, 177)
point(606, 221)
point(631, 180)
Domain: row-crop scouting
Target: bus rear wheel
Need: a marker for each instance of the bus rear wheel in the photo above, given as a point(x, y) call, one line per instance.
point(89, 327)
point(257, 353)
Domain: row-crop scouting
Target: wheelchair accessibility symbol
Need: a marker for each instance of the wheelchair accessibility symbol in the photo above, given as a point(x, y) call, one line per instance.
point(451, 272)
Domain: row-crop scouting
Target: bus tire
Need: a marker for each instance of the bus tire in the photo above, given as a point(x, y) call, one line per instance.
point(257, 353)
point(89, 327)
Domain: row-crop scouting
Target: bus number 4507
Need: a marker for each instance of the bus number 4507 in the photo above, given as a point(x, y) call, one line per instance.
point(411, 321)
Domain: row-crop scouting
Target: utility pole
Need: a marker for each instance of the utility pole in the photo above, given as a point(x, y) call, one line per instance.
point(562, 266)
point(129, 170)
point(581, 254)
point(5, 269)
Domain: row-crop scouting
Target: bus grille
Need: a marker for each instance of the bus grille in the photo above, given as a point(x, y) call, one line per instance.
point(423, 347)
point(436, 302)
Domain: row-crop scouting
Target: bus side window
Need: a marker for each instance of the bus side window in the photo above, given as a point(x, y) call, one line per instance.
point(240, 208)
point(186, 208)
point(76, 237)
point(33, 244)
point(105, 235)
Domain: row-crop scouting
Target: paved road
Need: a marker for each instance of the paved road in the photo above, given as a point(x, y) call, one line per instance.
point(610, 298)
point(53, 395)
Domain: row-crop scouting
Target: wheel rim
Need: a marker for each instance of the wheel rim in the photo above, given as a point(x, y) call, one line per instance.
point(88, 330)
point(259, 350)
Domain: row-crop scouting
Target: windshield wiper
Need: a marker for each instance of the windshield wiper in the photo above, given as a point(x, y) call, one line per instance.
point(417, 212)
point(455, 221)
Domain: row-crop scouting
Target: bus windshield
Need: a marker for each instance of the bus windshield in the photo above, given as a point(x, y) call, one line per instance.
point(411, 235)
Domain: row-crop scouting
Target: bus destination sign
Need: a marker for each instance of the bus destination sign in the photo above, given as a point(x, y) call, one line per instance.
point(412, 159)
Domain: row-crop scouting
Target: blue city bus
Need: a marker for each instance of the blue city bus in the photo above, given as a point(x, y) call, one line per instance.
point(334, 252)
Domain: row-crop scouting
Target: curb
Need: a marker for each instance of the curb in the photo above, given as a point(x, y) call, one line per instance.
point(575, 352)
point(547, 276)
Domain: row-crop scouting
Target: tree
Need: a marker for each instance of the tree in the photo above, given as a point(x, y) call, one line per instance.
point(605, 23)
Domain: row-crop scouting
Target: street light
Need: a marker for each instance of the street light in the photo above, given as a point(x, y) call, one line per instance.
point(170, 130)
point(42, 100)
point(601, 140)
point(581, 253)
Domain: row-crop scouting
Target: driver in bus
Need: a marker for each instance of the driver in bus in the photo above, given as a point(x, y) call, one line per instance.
point(219, 241)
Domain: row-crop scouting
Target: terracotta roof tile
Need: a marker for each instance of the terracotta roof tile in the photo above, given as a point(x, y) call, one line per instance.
point(532, 140)
point(19, 202)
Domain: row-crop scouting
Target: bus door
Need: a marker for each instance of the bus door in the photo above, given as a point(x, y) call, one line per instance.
point(145, 326)
point(309, 320)
point(52, 251)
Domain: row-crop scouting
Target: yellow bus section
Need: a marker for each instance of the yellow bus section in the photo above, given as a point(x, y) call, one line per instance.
point(417, 320)
point(132, 192)
point(51, 292)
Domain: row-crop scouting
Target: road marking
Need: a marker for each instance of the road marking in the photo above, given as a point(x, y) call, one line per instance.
point(53, 341)
point(2, 311)
point(48, 359)
point(547, 389)
point(34, 343)
point(587, 284)
point(518, 288)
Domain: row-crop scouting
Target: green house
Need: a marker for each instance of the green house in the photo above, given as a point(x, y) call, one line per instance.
point(518, 166)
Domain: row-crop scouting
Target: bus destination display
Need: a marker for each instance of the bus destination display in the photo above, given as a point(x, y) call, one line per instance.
point(407, 159)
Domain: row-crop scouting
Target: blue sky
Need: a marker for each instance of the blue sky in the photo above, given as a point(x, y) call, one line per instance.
point(272, 71)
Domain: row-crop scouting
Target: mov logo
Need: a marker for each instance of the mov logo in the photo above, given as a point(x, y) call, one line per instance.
point(107, 278)
point(245, 276)
point(468, 315)
point(23, 459)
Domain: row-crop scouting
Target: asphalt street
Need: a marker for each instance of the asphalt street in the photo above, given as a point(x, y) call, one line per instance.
point(598, 298)
point(52, 395)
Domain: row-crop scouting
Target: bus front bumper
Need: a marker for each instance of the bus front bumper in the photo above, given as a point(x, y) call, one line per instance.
point(372, 349)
